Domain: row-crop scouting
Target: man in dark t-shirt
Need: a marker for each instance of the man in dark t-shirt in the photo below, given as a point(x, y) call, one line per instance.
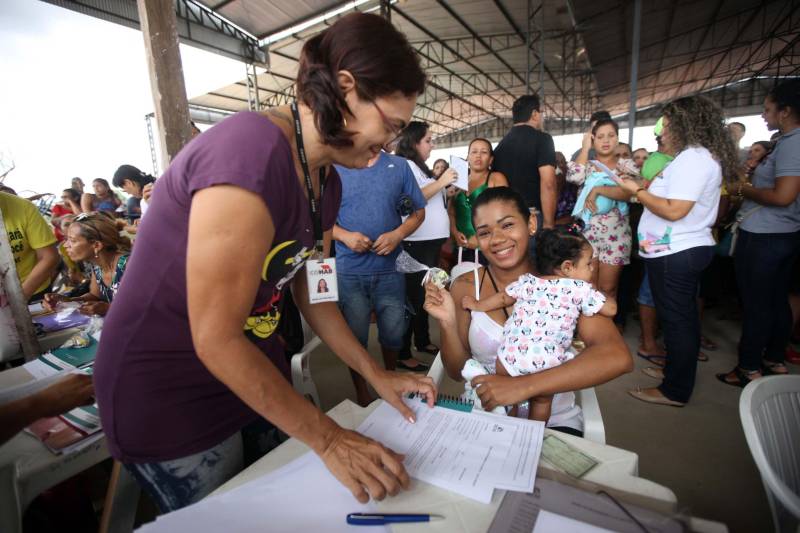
point(527, 157)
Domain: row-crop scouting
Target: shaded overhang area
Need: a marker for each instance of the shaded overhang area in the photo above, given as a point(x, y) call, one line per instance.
point(480, 55)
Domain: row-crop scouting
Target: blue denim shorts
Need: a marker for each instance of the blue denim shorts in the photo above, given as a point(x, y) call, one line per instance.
point(384, 293)
point(645, 294)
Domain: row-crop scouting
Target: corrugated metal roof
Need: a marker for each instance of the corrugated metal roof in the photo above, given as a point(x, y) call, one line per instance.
point(475, 55)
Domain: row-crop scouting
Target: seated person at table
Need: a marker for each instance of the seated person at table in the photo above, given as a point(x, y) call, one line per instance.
point(32, 244)
point(67, 393)
point(103, 199)
point(538, 334)
point(503, 226)
point(95, 239)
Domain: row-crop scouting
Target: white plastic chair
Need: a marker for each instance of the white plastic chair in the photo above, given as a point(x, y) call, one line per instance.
point(593, 427)
point(770, 411)
point(301, 368)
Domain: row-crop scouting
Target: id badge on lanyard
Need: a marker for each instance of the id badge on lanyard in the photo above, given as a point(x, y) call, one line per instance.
point(321, 276)
point(320, 272)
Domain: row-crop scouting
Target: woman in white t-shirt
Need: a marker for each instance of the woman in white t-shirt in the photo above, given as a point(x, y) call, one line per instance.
point(425, 244)
point(675, 238)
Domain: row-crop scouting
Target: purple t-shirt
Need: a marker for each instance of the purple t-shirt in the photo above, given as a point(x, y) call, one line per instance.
point(157, 400)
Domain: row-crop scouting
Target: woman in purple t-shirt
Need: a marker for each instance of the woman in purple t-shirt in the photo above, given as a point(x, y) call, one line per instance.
point(181, 366)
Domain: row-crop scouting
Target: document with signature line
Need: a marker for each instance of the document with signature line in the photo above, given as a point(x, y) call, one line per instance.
point(469, 453)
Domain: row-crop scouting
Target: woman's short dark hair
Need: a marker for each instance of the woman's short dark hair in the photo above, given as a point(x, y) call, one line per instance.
point(74, 194)
point(377, 55)
point(501, 194)
point(605, 122)
point(446, 164)
point(130, 172)
point(410, 137)
point(787, 94)
point(559, 244)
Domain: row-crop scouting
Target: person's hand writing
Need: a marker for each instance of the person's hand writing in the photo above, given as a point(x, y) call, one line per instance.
point(439, 304)
point(494, 390)
point(51, 299)
point(386, 243)
point(66, 394)
point(358, 242)
point(394, 386)
point(365, 467)
point(94, 308)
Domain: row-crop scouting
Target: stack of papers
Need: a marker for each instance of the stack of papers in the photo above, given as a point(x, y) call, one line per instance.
point(69, 432)
point(301, 496)
point(468, 453)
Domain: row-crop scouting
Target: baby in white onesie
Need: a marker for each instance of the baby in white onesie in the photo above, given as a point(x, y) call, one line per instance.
point(539, 332)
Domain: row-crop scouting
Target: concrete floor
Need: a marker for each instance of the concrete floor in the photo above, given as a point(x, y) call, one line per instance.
point(698, 451)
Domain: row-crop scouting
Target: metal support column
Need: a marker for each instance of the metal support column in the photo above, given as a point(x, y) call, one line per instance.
point(541, 54)
point(528, 50)
point(637, 29)
point(253, 98)
point(148, 119)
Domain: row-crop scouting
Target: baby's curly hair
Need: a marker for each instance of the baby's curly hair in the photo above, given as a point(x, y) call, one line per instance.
point(696, 120)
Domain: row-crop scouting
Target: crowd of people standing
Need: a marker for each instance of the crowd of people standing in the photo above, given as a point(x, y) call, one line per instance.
point(246, 210)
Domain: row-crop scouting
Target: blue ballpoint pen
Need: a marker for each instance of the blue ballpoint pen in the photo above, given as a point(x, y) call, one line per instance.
point(379, 519)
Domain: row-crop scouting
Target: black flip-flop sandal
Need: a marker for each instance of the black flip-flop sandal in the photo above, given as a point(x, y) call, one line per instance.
point(419, 367)
point(708, 345)
point(430, 349)
point(742, 377)
point(658, 360)
point(768, 368)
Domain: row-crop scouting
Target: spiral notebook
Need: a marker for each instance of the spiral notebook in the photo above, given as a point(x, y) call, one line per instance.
point(449, 401)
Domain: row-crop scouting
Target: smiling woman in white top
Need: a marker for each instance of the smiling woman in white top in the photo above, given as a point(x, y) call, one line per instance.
point(675, 238)
point(426, 242)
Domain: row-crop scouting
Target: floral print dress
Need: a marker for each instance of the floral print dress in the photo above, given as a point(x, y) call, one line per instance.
point(539, 332)
point(610, 233)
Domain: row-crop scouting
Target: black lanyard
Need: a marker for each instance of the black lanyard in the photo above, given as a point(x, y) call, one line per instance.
point(316, 210)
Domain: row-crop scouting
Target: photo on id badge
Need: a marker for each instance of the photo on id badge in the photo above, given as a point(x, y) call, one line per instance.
point(322, 286)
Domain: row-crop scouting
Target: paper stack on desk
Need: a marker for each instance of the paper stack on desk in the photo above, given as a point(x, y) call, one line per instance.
point(300, 497)
point(468, 453)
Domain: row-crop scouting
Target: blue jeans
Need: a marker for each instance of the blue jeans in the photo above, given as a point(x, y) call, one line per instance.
point(674, 280)
point(384, 293)
point(645, 294)
point(180, 482)
point(764, 263)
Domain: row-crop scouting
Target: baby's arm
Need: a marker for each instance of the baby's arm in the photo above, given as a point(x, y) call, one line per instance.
point(498, 300)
